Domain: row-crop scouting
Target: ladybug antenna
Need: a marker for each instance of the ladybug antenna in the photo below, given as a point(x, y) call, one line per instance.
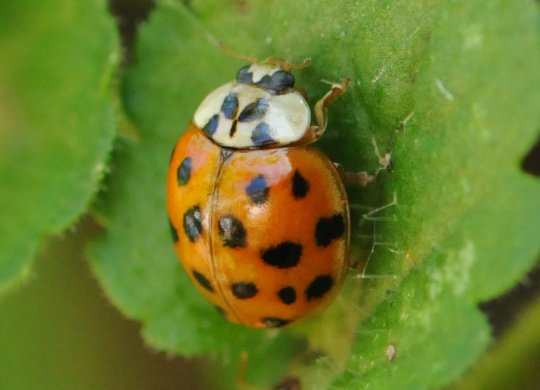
point(286, 65)
point(301, 66)
point(231, 53)
point(275, 61)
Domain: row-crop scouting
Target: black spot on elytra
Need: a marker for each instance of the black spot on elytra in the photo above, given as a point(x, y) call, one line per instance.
point(254, 111)
point(193, 223)
point(183, 173)
point(319, 286)
point(230, 106)
point(212, 125)
point(285, 255)
point(257, 190)
point(244, 290)
point(232, 231)
point(174, 233)
point(300, 186)
point(261, 134)
point(329, 229)
point(274, 322)
point(202, 280)
point(278, 82)
point(287, 295)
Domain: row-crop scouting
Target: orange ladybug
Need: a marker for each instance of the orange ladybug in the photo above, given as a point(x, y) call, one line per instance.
point(259, 220)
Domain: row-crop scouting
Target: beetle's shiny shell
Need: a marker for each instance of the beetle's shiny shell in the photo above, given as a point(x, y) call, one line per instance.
point(263, 234)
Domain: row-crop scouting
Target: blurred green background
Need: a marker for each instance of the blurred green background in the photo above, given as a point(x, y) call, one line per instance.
point(58, 331)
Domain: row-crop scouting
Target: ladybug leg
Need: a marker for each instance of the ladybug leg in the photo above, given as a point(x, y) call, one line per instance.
point(320, 110)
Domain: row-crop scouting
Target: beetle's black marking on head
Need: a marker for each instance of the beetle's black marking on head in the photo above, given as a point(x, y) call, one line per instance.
point(279, 82)
point(287, 295)
point(329, 229)
point(244, 290)
point(202, 280)
point(285, 255)
point(254, 111)
point(261, 135)
point(232, 232)
point(257, 190)
point(174, 233)
point(274, 322)
point(319, 286)
point(234, 126)
point(183, 173)
point(300, 185)
point(230, 106)
point(212, 125)
point(193, 223)
point(244, 76)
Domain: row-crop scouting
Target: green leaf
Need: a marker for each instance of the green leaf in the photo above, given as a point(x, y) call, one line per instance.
point(465, 212)
point(434, 331)
point(56, 120)
point(449, 88)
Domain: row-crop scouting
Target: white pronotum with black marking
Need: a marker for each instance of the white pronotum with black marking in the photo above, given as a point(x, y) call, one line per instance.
point(260, 108)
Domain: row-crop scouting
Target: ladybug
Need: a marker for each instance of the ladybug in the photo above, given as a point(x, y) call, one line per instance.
point(260, 221)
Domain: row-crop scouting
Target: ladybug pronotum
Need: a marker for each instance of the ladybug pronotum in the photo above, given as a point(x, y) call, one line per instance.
point(260, 221)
